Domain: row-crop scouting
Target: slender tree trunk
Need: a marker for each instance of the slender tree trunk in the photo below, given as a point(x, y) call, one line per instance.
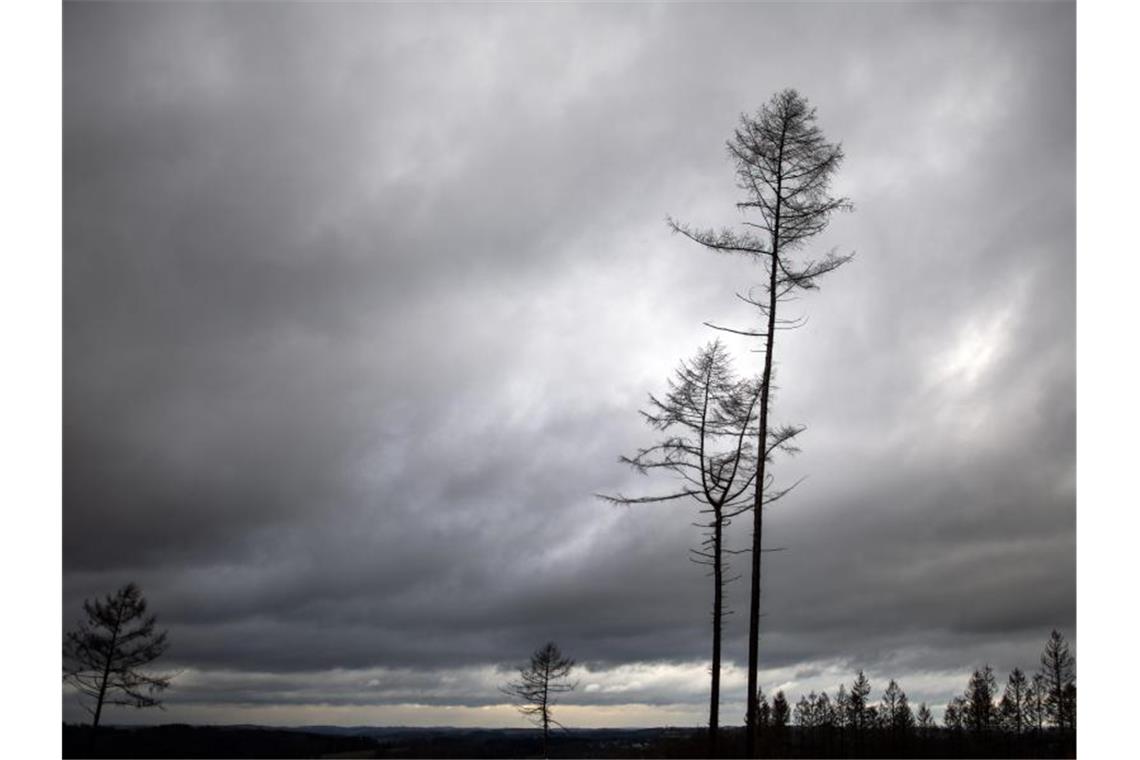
point(762, 452)
point(758, 523)
point(718, 603)
point(106, 677)
point(545, 708)
point(1058, 694)
point(99, 705)
point(103, 683)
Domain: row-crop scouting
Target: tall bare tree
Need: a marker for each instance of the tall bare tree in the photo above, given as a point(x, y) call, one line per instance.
point(784, 167)
point(707, 418)
point(540, 681)
point(103, 655)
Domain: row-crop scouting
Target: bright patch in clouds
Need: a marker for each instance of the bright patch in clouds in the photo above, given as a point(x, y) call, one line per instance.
point(975, 350)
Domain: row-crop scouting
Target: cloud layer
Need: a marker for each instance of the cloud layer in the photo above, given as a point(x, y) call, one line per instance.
point(361, 302)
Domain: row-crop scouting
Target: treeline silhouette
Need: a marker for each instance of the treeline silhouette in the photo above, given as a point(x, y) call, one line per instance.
point(1031, 717)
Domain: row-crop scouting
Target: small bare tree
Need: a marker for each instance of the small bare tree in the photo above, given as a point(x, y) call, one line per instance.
point(102, 657)
point(708, 420)
point(784, 167)
point(540, 681)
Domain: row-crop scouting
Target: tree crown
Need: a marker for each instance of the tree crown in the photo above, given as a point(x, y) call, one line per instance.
point(543, 677)
point(103, 654)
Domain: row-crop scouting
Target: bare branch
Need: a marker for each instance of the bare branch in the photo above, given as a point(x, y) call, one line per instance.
point(731, 330)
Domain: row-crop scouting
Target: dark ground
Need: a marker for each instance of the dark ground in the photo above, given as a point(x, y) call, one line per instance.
point(185, 741)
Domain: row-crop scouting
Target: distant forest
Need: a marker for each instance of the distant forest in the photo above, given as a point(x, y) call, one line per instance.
point(1031, 717)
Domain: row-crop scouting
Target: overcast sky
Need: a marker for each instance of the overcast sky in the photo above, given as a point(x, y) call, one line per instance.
point(361, 301)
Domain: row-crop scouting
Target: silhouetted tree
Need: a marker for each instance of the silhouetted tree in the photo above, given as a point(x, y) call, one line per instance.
point(1036, 712)
point(778, 724)
point(1070, 704)
point(924, 719)
point(890, 701)
point(1057, 668)
point(858, 714)
point(980, 712)
point(842, 707)
point(824, 711)
point(540, 681)
point(804, 714)
point(954, 716)
point(904, 719)
point(895, 710)
point(780, 711)
point(104, 655)
point(707, 417)
point(763, 714)
point(784, 166)
point(815, 714)
point(1013, 702)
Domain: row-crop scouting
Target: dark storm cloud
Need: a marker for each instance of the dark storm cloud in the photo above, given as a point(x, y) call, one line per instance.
point(360, 302)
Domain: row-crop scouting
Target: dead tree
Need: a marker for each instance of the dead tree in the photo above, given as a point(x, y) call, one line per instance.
point(540, 680)
point(708, 418)
point(784, 167)
point(102, 657)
